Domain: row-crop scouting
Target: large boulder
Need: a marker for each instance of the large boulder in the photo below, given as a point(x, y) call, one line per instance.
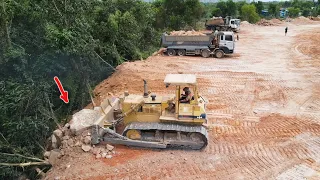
point(82, 120)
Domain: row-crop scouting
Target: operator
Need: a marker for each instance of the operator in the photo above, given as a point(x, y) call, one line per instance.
point(187, 96)
point(215, 40)
point(215, 32)
point(285, 31)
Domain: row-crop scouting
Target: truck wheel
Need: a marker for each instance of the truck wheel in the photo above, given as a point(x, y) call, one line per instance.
point(171, 52)
point(205, 53)
point(219, 53)
point(181, 52)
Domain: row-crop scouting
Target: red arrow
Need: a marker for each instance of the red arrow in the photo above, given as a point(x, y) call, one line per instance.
point(64, 94)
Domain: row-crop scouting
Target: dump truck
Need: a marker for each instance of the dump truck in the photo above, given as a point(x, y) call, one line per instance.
point(217, 43)
point(223, 24)
point(155, 121)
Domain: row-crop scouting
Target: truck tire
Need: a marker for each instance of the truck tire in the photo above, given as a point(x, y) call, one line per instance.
point(171, 52)
point(181, 52)
point(219, 53)
point(205, 53)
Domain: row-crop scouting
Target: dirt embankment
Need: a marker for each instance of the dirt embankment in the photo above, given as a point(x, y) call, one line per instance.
point(272, 22)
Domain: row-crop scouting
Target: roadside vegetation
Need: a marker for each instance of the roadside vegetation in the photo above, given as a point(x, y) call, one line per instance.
point(82, 42)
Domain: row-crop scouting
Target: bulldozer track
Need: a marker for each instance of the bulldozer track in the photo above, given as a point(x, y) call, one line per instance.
point(166, 127)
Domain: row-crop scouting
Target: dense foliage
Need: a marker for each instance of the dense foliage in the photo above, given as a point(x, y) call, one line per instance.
point(248, 13)
point(81, 42)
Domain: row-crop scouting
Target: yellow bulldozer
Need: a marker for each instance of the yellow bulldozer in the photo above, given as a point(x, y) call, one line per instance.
point(158, 121)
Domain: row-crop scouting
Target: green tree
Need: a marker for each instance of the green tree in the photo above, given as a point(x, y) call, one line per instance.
point(216, 12)
point(293, 12)
point(259, 6)
point(273, 9)
point(239, 5)
point(223, 7)
point(176, 14)
point(306, 12)
point(78, 41)
point(231, 8)
point(193, 12)
point(286, 4)
point(249, 13)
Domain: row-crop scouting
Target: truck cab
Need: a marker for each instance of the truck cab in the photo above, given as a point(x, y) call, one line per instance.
point(226, 42)
point(235, 24)
point(223, 43)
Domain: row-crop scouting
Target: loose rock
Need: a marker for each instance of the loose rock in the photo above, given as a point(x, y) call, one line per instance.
point(103, 155)
point(70, 142)
point(87, 140)
point(54, 154)
point(108, 156)
point(78, 143)
point(66, 131)
point(98, 156)
point(95, 151)
point(58, 133)
point(86, 148)
point(46, 154)
point(64, 143)
point(67, 125)
point(54, 142)
point(110, 147)
point(66, 137)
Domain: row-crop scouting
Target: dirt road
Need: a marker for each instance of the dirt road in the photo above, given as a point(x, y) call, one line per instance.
point(264, 112)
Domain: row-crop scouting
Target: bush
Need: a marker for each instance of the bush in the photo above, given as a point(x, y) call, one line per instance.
point(293, 12)
point(248, 13)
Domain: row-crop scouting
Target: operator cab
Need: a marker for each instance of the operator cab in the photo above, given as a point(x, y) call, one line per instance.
point(191, 111)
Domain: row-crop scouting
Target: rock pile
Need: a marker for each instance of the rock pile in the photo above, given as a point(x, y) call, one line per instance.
point(104, 152)
point(264, 22)
point(245, 23)
point(276, 21)
point(59, 140)
point(272, 22)
point(302, 20)
point(64, 140)
point(315, 18)
point(187, 33)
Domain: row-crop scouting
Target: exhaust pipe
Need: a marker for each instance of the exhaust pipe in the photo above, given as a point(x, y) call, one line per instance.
point(145, 93)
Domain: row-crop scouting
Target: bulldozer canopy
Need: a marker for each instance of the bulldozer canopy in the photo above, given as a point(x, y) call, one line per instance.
point(180, 79)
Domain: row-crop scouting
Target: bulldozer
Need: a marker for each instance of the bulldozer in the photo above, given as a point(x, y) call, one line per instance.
point(158, 121)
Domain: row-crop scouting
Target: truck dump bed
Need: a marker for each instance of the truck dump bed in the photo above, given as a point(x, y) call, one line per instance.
point(187, 38)
point(200, 40)
point(215, 21)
